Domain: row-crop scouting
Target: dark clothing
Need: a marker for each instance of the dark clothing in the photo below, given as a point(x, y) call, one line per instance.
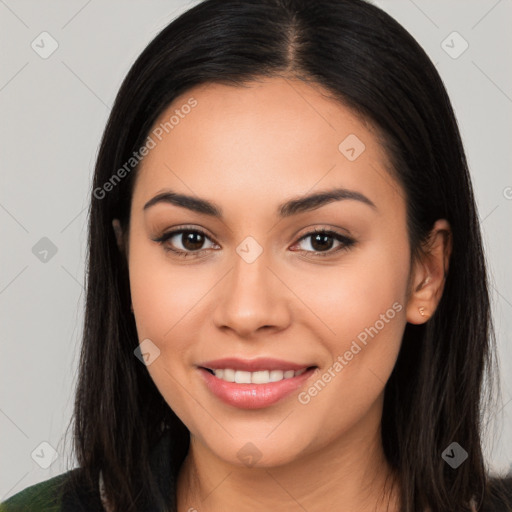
point(53, 496)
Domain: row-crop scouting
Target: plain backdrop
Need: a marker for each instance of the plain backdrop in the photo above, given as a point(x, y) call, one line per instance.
point(53, 111)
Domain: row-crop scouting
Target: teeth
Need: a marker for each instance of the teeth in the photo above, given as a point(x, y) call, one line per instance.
point(242, 377)
point(276, 375)
point(229, 375)
point(259, 377)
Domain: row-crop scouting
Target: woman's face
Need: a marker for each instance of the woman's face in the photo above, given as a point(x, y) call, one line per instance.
point(253, 288)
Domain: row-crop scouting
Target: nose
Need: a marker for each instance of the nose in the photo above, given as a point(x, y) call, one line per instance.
point(252, 300)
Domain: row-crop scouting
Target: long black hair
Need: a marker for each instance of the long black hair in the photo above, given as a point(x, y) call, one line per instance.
point(369, 62)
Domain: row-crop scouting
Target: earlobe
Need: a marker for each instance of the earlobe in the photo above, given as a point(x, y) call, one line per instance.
point(420, 306)
point(429, 274)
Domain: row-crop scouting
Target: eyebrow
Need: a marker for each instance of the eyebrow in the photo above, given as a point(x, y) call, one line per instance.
point(287, 209)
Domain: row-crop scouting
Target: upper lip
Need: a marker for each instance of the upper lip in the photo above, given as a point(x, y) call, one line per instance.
point(252, 365)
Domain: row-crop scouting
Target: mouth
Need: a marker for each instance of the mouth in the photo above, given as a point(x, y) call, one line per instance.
point(254, 384)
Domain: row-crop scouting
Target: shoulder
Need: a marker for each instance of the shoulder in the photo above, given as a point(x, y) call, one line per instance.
point(62, 493)
point(45, 496)
point(499, 495)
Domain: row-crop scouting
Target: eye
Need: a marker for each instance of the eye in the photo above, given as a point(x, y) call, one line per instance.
point(189, 242)
point(322, 240)
point(186, 242)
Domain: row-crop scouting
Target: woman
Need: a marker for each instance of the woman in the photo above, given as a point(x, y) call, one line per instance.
point(287, 302)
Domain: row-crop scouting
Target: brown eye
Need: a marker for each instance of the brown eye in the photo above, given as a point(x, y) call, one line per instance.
point(322, 241)
point(192, 240)
point(185, 242)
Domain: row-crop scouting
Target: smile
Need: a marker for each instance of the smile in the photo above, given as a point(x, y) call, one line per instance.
point(253, 384)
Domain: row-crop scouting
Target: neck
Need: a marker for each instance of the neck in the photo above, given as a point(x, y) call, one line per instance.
point(349, 474)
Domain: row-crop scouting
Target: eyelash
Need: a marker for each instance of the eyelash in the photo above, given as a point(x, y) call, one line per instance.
point(346, 242)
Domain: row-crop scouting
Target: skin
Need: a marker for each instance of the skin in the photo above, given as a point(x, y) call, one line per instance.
point(249, 149)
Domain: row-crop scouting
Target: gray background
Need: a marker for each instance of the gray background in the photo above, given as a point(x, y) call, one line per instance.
point(53, 112)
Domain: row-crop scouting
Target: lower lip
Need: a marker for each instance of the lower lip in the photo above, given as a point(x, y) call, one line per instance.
point(253, 396)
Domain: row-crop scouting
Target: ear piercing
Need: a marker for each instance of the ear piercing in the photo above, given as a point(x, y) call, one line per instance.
point(421, 309)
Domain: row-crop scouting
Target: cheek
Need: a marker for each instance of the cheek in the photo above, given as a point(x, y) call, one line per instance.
point(165, 299)
point(163, 293)
point(362, 302)
point(351, 295)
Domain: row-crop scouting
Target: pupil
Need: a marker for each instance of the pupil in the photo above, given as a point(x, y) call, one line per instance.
point(324, 242)
point(189, 240)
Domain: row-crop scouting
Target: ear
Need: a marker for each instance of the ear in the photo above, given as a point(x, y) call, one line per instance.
point(119, 234)
point(429, 274)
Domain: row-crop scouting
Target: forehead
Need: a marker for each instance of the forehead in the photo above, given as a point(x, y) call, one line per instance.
point(258, 143)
